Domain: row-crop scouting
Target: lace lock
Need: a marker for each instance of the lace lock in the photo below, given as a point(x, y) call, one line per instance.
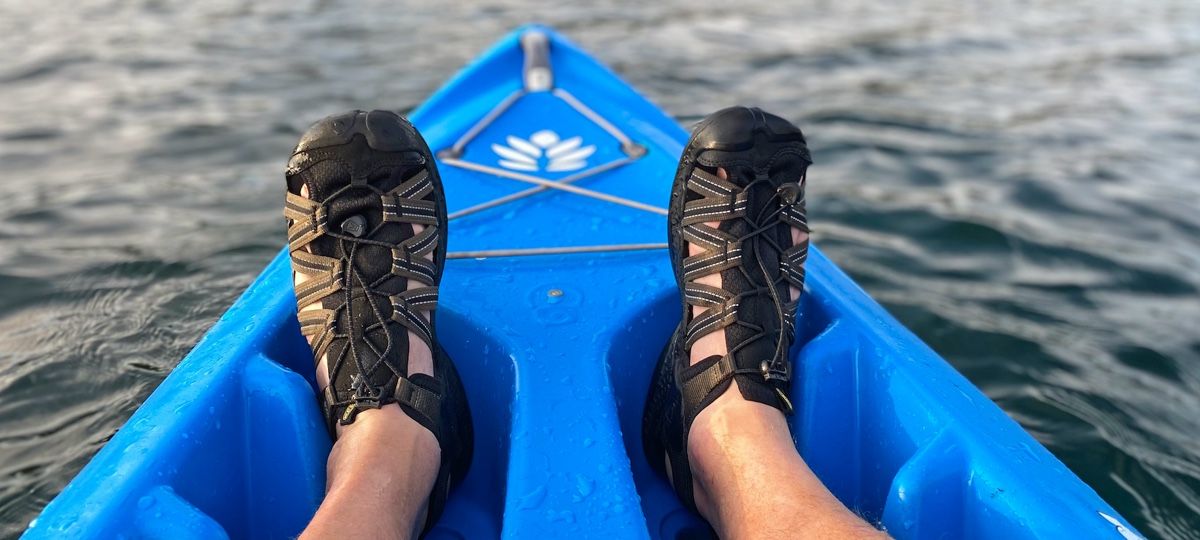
point(773, 374)
point(789, 192)
point(355, 226)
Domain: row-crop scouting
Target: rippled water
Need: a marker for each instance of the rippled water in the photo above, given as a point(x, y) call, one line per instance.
point(1017, 183)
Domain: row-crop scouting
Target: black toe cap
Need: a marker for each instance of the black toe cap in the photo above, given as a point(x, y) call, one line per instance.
point(383, 130)
point(737, 128)
point(745, 137)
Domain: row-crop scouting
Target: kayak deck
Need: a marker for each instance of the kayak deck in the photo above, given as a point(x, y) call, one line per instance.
point(556, 350)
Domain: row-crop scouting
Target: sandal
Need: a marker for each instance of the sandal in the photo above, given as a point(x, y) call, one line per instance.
point(762, 199)
point(370, 178)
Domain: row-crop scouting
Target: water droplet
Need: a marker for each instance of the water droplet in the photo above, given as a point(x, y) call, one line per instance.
point(584, 485)
point(532, 499)
point(564, 516)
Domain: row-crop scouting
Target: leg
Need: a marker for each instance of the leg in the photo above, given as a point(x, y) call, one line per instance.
point(381, 470)
point(366, 224)
point(715, 416)
point(749, 480)
point(382, 467)
point(751, 483)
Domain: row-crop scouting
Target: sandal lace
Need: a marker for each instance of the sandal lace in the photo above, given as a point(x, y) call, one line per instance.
point(327, 276)
point(722, 200)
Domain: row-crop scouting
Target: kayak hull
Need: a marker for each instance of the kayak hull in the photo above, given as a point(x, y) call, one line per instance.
point(556, 352)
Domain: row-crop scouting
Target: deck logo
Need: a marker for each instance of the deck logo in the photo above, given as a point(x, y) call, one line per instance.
point(543, 151)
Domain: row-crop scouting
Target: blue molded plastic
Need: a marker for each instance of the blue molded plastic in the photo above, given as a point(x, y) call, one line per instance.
point(556, 353)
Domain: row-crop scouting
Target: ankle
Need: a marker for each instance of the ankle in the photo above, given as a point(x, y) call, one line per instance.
point(387, 450)
point(731, 421)
point(729, 440)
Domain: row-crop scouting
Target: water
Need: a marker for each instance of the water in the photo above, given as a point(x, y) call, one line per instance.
point(1016, 183)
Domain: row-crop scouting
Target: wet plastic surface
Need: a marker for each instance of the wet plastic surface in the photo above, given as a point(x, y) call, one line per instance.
point(556, 353)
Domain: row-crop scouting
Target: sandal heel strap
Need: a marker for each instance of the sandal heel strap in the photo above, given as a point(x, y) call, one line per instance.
point(700, 382)
point(420, 396)
point(703, 382)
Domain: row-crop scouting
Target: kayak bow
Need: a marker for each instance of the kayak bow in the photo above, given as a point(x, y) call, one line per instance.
point(558, 301)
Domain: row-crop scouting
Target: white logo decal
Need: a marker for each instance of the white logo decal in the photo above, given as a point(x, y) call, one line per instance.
point(543, 150)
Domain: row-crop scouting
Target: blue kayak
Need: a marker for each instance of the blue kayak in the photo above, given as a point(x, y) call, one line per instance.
point(555, 305)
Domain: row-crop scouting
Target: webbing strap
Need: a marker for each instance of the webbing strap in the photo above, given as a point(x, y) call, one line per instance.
point(406, 203)
point(714, 260)
point(699, 380)
point(323, 277)
point(315, 289)
point(422, 403)
point(793, 258)
point(307, 220)
point(318, 325)
point(721, 200)
point(409, 202)
point(712, 319)
point(405, 307)
point(412, 265)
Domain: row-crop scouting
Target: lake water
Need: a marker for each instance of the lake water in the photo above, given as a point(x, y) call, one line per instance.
point(1018, 183)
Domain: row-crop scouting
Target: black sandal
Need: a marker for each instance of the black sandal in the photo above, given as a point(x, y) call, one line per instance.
point(370, 178)
point(766, 159)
